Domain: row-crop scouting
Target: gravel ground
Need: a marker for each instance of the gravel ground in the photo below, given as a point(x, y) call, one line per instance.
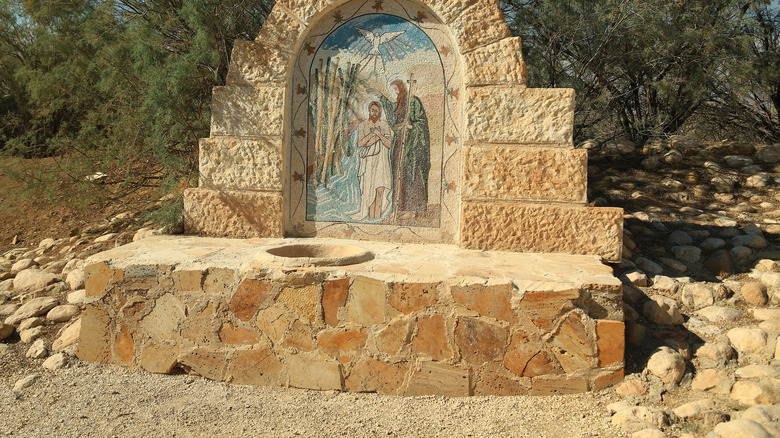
point(97, 400)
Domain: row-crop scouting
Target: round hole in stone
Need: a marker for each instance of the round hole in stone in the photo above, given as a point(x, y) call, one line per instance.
point(321, 254)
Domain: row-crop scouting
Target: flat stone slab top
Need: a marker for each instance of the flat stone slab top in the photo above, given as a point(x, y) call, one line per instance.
point(413, 320)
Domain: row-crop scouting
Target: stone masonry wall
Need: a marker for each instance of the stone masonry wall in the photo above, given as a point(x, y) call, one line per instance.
point(316, 330)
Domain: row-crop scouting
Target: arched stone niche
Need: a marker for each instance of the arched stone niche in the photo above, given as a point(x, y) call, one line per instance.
point(504, 174)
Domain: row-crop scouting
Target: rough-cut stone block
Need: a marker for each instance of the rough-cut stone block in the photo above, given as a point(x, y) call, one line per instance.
point(517, 114)
point(187, 281)
point(409, 297)
point(255, 63)
point(480, 341)
point(527, 358)
point(491, 300)
point(305, 10)
point(543, 306)
point(281, 29)
point(575, 339)
point(205, 363)
point(555, 386)
point(124, 349)
point(233, 214)
point(219, 281)
point(162, 322)
point(479, 25)
point(96, 278)
point(299, 337)
point(449, 10)
point(394, 336)
point(334, 297)
point(229, 334)
point(431, 338)
point(249, 297)
point(313, 371)
point(366, 301)
point(372, 375)
point(611, 340)
point(254, 367)
point(543, 228)
point(95, 338)
point(525, 173)
point(274, 322)
point(159, 358)
point(247, 111)
point(302, 300)
point(497, 63)
point(342, 345)
point(198, 327)
point(494, 380)
point(433, 378)
point(241, 163)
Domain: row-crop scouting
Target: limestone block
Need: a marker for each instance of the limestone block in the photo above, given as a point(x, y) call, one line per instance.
point(342, 345)
point(256, 63)
point(432, 378)
point(159, 358)
point(607, 378)
point(313, 371)
point(249, 297)
point(162, 322)
point(124, 348)
point(219, 281)
point(393, 337)
point(527, 358)
point(495, 380)
point(479, 25)
point(240, 163)
point(304, 301)
point(334, 297)
point(299, 337)
point(542, 228)
point(230, 334)
point(480, 341)
point(431, 338)
point(491, 300)
point(366, 301)
point(95, 337)
point(254, 367)
point(543, 307)
point(96, 278)
point(205, 363)
point(247, 111)
point(274, 322)
point(611, 340)
point(409, 297)
point(372, 375)
point(517, 114)
point(198, 327)
point(233, 214)
point(449, 10)
point(555, 386)
point(187, 281)
point(575, 338)
point(520, 173)
point(497, 63)
point(305, 10)
point(281, 30)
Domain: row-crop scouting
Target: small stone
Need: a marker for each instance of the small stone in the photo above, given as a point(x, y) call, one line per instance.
point(723, 183)
point(665, 284)
point(713, 418)
point(768, 154)
point(667, 364)
point(637, 278)
point(673, 157)
point(632, 387)
point(709, 379)
point(719, 263)
point(729, 224)
point(649, 432)
point(5, 330)
point(30, 323)
point(697, 295)
point(765, 314)
point(741, 429)
point(754, 293)
point(618, 406)
point(34, 307)
point(649, 266)
point(737, 160)
point(686, 253)
point(747, 340)
point(771, 279)
point(756, 371)
point(55, 362)
point(650, 163)
point(711, 165)
point(752, 241)
point(639, 414)
point(77, 297)
point(741, 253)
point(7, 310)
point(30, 335)
point(62, 313)
point(673, 264)
point(720, 314)
point(37, 350)
point(751, 393)
point(68, 336)
point(662, 311)
point(694, 408)
point(712, 243)
point(758, 181)
point(764, 414)
point(106, 237)
point(635, 334)
point(21, 265)
point(24, 383)
point(75, 279)
point(716, 351)
point(679, 237)
point(33, 279)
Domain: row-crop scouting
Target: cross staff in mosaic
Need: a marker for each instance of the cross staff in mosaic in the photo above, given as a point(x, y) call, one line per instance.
point(411, 151)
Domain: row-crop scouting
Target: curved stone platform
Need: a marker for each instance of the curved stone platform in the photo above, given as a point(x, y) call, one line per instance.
point(414, 320)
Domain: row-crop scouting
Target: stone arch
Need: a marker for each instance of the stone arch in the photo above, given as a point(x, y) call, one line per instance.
point(522, 185)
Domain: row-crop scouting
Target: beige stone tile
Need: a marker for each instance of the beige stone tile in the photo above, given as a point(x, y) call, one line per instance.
point(230, 334)
point(233, 214)
point(313, 371)
point(500, 62)
point(163, 322)
point(525, 173)
point(95, 339)
point(479, 25)
point(611, 340)
point(492, 300)
point(342, 345)
point(205, 363)
point(159, 358)
point(432, 378)
point(526, 356)
point(575, 339)
point(391, 339)
point(304, 301)
point(240, 163)
point(556, 386)
point(334, 297)
point(249, 298)
point(515, 114)
point(256, 63)
point(366, 304)
point(493, 379)
point(449, 10)
point(247, 111)
point(410, 296)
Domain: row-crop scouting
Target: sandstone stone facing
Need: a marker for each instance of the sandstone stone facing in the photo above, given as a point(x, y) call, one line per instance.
point(313, 371)
point(480, 341)
point(495, 380)
point(281, 29)
point(161, 324)
point(575, 339)
point(431, 338)
point(247, 111)
point(159, 358)
point(205, 363)
point(611, 341)
point(543, 306)
point(555, 386)
point(366, 301)
point(230, 334)
point(241, 163)
point(273, 322)
point(124, 348)
point(516, 114)
point(187, 281)
point(409, 297)
point(448, 10)
point(96, 278)
point(334, 297)
point(491, 300)
point(304, 10)
point(95, 340)
point(528, 358)
point(254, 367)
point(299, 337)
point(525, 173)
point(234, 214)
point(254, 63)
point(542, 228)
point(342, 345)
point(302, 300)
point(394, 336)
point(497, 63)
point(431, 378)
point(249, 297)
point(373, 375)
point(480, 24)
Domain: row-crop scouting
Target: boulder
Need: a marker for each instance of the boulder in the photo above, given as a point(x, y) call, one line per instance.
point(37, 350)
point(21, 265)
point(719, 263)
point(754, 293)
point(741, 429)
point(719, 314)
point(5, 330)
point(686, 253)
point(747, 340)
point(667, 364)
point(751, 393)
point(694, 408)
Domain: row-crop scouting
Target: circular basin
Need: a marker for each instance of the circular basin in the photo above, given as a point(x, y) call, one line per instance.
point(320, 254)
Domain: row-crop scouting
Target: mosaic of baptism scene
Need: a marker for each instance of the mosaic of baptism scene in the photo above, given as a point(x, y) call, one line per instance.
point(374, 136)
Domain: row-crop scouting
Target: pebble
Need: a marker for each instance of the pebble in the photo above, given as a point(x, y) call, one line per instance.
point(77, 297)
point(662, 310)
point(768, 154)
point(771, 279)
point(30, 323)
point(737, 160)
point(673, 264)
point(5, 330)
point(649, 266)
point(632, 387)
point(765, 414)
point(635, 333)
point(62, 313)
point(741, 252)
point(723, 183)
point(37, 350)
point(639, 414)
point(8, 309)
point(720, 314)
point(24, 383)
point(68, 336)
point(106, 237)
point(679, 237)
point(667, 364)
point(697, 295)
point(637, 278)
point(47, 244)
point(719, 263)
point(650, 432)
point(21, 265)
point(702, 329)
point(711, 379)
point(752, 241)
point(75, 279)
point(665, 284)
point(765, 314)
point(673, 157)
point(747, 340)
point(759, 180)
point(34, 279)
point(55, 362)
point(730, 225)
point(716, 351)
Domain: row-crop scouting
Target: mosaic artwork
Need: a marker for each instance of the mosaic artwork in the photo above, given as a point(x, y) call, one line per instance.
point(373, 92)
